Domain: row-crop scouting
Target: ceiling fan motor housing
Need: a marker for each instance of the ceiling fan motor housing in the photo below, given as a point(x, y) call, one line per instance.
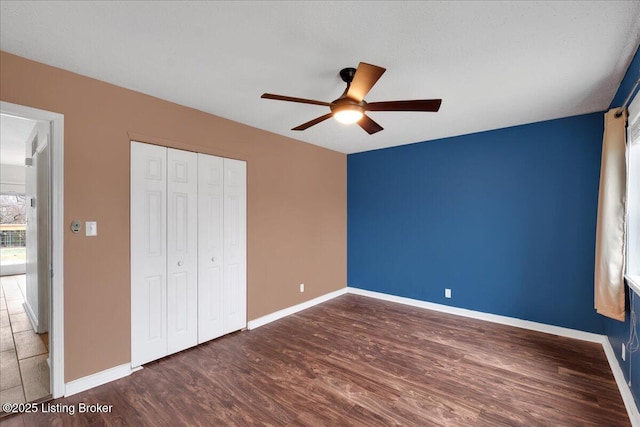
point(347, 74)
point(346, 103)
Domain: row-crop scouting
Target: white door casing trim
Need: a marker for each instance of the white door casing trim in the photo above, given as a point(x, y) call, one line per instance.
point(56, 349)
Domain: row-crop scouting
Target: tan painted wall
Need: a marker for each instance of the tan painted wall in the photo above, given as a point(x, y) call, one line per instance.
point(296, 203)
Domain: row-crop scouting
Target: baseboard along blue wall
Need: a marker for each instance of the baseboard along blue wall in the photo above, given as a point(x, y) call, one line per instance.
point(506, 219)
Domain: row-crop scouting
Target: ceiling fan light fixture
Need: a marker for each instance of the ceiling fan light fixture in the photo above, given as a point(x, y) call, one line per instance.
point(351, 107)
point(348, 114)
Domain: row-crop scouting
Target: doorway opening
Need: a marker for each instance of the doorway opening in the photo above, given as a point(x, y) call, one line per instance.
point(24, 259)
point(31, 333)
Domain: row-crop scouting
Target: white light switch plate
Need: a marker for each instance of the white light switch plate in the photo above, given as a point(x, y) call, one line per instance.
point(91, 228)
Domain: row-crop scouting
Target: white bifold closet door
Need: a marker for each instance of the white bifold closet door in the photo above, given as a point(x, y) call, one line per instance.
point(221, 246)
point(210, 246)
point(182, 250)
point(148, 253)
point(164, 251)
point(188, 249)
point(234, 295)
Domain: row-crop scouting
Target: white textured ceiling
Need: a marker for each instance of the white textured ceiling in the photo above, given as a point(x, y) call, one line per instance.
point(494, 64)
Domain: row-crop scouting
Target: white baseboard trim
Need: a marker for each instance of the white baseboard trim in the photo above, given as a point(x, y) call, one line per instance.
point(31, 315)
point(495, 318)
point(625, 391)
point(97, 379)
point(261, 321)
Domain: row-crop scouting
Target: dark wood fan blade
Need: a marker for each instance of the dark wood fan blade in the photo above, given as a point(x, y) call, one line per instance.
point(369, 125)
point(313, 122)
point(292, 99)
point(366, 76)
point(415, 105)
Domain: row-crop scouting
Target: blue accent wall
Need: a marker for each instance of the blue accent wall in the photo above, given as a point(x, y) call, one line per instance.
point(618, 332)
point(505, 218)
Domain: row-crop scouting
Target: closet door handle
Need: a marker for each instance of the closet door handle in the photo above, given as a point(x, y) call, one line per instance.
point(180, 263)
point(213, 259)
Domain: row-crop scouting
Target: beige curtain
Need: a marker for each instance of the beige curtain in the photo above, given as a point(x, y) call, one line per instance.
point(610, 231)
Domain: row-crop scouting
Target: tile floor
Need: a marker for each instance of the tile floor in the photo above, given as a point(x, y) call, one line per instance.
point(24, 372)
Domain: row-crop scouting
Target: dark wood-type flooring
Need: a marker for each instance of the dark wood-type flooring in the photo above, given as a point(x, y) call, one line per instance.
point(360, 361)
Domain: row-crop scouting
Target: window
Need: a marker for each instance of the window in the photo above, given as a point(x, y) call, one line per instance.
point(12, 231)
point(633, 196)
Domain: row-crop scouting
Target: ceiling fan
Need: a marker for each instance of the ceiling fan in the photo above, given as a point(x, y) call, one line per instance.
point(351, 106)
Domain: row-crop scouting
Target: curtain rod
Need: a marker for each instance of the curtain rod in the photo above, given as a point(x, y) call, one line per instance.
point(626, 101)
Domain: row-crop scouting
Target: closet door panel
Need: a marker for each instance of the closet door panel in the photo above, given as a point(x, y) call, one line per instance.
point(234, 308)
point(210, 246)
point(182, 247)
point(148, 253)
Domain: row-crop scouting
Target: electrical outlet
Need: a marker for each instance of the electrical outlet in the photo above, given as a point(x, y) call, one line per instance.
point(447, 293)
point(301, 287)
point(624, 352)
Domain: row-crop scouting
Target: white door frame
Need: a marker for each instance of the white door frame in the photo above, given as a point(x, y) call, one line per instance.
point(56, 333)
